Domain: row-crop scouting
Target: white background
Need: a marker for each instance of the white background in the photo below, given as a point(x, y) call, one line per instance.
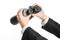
point(9, 8)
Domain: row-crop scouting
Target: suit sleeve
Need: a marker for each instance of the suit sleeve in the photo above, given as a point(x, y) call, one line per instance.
point(52, 27)
point(30, 34)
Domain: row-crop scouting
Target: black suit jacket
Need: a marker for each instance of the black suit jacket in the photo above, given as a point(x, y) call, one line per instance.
point(52, 27)
point(30, 34)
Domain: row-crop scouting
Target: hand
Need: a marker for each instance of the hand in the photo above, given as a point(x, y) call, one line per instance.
point(41, 14)
point(22, 20)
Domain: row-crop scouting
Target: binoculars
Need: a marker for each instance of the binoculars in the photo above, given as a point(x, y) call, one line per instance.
point(25, 13)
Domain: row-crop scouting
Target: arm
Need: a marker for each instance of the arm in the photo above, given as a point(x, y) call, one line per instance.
point(30, 34)
point(52, 27)
point(48, 24)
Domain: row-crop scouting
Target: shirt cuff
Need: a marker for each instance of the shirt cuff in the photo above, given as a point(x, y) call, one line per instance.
point(23, 29)
point(45, 21)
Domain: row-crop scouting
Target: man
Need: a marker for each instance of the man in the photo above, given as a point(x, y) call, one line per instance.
point(48, 24)
point(28, 33)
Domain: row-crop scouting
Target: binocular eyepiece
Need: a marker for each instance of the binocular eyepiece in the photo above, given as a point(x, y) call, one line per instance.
point(25, 13)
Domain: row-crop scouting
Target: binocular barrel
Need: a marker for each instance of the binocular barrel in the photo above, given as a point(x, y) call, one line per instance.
point(26, 12)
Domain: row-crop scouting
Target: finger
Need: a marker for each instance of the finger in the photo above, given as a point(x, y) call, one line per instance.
point(18, 12)
point(34, 4)
point(21, 11)
point(17, 18)
point(33, 14)
point(28, 16)
point(19, 15)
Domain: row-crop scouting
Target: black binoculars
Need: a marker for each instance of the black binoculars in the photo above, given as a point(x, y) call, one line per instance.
point(25, 13)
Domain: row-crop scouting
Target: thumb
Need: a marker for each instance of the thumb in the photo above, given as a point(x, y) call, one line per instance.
point(28, 16)
point(34, 14)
